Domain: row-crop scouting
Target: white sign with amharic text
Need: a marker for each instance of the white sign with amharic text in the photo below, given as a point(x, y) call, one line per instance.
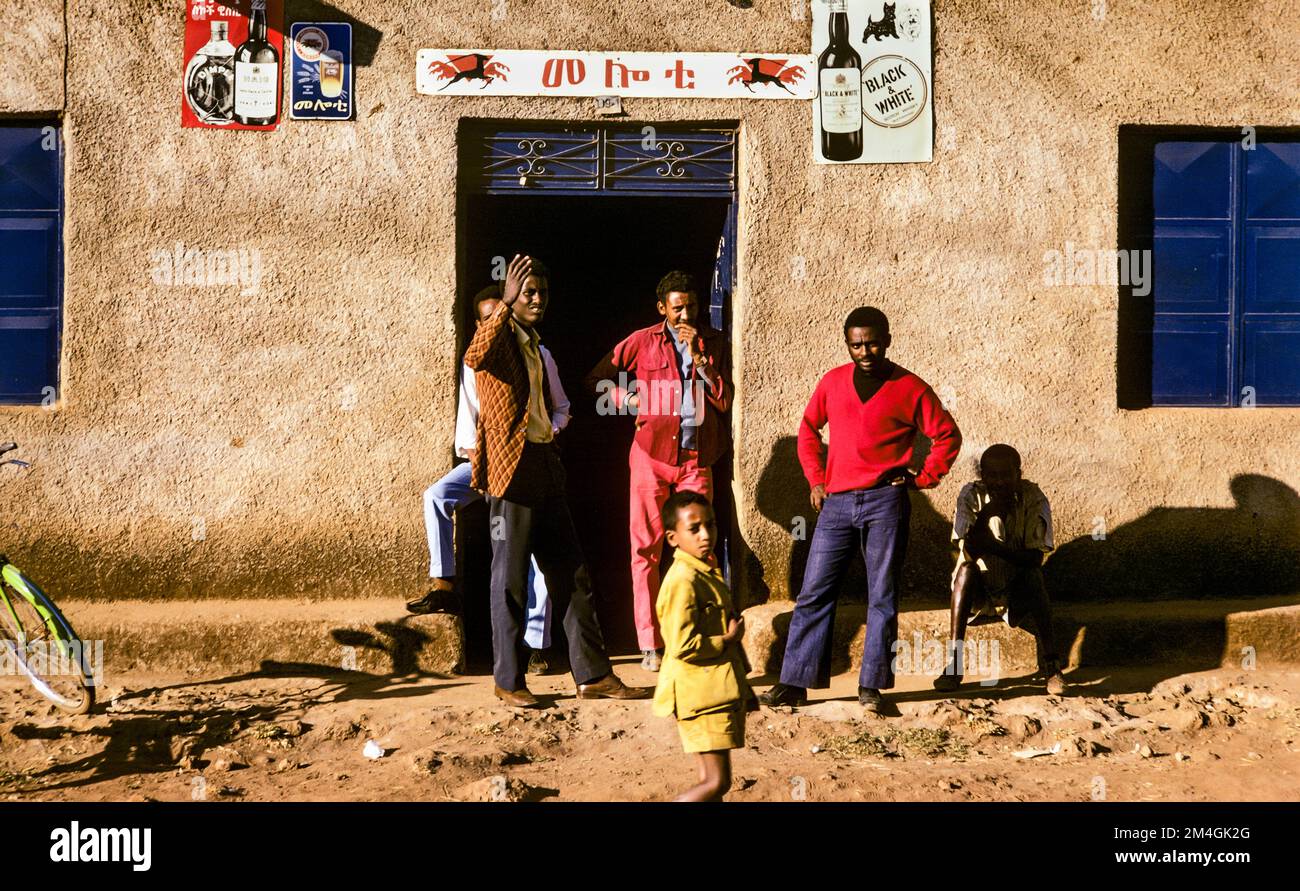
point(481, 72)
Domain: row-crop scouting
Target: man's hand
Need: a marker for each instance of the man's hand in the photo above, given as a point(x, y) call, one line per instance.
point(817, 497)
point(469, 453)
point(519, 269)
point(735, 630)
point(691, 335)
point(905, 477)
point(979, 538)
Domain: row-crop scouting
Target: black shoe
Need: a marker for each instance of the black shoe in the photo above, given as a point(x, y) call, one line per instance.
point(538, 663)
point(436, 601)
point(870, 700)
point(784, 694)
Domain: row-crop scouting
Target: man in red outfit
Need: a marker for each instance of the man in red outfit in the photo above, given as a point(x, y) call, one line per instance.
point(679, 396)
point(859, 487)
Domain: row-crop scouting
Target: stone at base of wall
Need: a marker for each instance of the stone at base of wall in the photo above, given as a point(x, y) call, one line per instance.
point(325, 637)
point(1263, 632)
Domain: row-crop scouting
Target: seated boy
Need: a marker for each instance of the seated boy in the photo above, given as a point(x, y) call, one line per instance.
point(702, 676)
point(1003, 529)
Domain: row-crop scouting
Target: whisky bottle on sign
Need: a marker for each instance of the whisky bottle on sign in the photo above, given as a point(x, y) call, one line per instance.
point(839, 71)
point(257, 74)
point(210, 78)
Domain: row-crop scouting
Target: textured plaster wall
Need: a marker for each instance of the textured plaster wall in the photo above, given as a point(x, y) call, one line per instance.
point(213, 442)
point(31, 66)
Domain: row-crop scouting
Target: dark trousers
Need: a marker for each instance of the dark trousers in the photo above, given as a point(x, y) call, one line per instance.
point(533, 518)
point(873, 522)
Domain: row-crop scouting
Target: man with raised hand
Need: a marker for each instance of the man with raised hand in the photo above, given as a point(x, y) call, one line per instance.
point(453, 492)
point(515, 462)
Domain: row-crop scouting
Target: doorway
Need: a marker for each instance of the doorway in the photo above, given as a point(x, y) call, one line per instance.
point(606, 253)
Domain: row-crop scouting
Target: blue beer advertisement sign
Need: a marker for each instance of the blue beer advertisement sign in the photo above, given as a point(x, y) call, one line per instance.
point(320, 77)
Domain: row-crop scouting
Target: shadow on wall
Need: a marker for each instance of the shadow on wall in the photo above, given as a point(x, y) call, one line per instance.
point(1249, 550)
point(782, 497)
point(365, 38)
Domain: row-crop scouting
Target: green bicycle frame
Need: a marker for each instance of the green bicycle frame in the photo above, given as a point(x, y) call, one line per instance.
point(16, 580)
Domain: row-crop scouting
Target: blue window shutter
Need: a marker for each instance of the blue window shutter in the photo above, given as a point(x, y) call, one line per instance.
point(1191, 340)
point(1270, 305)
point(31, 257)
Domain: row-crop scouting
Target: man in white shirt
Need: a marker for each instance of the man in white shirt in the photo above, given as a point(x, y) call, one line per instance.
point(443, 498)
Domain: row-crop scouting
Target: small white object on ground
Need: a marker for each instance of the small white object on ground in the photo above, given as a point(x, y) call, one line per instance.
point(373, 750)
point(1035, 753)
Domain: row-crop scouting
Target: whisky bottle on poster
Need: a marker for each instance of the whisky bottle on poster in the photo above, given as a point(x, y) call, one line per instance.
point(257, 74)
point(210, 78)
point(839, 71)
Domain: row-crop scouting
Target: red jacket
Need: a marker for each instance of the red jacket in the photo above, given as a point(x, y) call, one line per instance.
point(868, 439)
point(649, 356)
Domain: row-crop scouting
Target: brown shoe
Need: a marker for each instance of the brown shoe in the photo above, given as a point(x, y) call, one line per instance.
point(520, 698)
point(610, 687)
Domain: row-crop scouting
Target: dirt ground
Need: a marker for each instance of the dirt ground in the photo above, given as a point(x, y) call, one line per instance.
point(298, 735)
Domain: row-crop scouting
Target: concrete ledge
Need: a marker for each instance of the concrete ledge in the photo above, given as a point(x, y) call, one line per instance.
point(1191, 633)
point(205, 636)
point(379, 637)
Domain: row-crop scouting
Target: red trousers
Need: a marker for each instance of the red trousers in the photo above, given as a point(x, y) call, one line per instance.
point(651, 483)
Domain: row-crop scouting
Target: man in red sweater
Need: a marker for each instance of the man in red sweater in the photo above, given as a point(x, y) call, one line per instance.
point(859, 488)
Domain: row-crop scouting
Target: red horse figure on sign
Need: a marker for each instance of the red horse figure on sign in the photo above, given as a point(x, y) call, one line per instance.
point(471, 66)
point(766, 71)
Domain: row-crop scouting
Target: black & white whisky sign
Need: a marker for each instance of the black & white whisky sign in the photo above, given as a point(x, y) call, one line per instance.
point(874, 93)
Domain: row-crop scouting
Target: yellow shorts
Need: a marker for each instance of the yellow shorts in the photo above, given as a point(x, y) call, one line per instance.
point(714, 730)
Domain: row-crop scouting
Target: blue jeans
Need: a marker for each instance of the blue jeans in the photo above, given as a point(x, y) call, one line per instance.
point(874, 522)
point(441, 501)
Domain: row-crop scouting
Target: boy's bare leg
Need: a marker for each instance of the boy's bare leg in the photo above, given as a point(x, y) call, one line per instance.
point(715, 777)
point(1040, 608)
point(963, 593)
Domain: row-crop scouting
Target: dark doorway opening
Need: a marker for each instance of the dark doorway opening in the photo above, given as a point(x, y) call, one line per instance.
point(606, 254)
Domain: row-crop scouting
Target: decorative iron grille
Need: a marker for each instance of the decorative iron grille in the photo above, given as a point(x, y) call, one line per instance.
point(582, 159)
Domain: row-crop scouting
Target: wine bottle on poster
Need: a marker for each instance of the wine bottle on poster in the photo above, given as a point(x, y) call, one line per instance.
point(839, 69)
point(257, 74)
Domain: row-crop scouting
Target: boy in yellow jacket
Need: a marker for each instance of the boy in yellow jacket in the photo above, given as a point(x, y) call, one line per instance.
point(702, 678)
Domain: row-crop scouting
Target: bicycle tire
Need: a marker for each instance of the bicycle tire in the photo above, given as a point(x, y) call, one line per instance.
point(17, 585)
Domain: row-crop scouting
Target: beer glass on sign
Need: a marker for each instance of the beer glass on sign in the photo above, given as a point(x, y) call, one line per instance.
point(331, 74)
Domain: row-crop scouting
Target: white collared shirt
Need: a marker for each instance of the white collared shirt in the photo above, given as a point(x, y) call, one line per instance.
point(467, 406)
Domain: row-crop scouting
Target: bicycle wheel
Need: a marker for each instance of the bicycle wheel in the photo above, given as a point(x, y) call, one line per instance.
point(42, 645)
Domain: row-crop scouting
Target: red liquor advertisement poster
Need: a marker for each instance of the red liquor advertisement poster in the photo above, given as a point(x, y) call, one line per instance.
point(232, 74)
